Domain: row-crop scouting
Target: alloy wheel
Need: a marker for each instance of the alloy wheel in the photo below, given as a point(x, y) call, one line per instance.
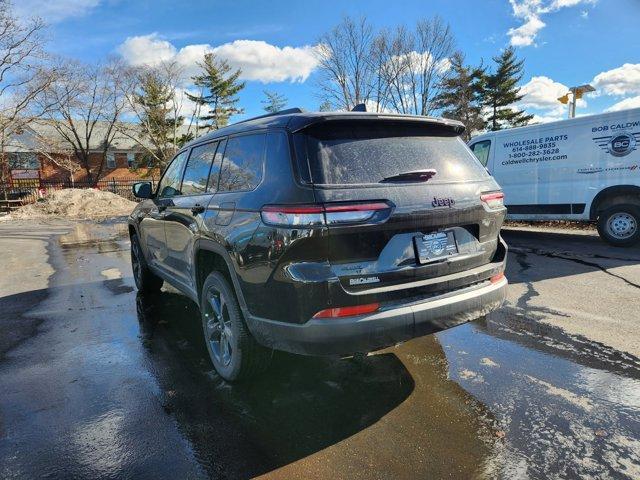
point(217, 327)
point(135, 261)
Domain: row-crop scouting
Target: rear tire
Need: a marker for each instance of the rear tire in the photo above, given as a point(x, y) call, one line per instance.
point(619, 225)
point(233, 351)
point(146, 280)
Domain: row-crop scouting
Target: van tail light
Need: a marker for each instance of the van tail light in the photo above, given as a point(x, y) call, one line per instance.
point(497, 278)
point(493, 200)
point(322, 214)
point(347, 311)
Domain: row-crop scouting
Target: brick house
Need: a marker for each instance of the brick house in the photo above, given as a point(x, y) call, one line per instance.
point(123, 160)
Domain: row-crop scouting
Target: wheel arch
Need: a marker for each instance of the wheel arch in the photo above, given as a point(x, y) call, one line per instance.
point(209, 256)
point(612, 195)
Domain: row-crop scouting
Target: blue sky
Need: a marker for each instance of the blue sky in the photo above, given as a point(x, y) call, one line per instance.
point(563, 42)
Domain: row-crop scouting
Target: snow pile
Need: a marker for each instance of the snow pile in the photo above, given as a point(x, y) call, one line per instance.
point(77, 203)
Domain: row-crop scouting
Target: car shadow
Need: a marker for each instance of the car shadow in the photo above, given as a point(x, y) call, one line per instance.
point(300, 406)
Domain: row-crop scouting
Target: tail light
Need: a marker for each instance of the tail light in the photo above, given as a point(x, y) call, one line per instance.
point(326, 214)
point(347, 311)
point(493, 200)
point(497, 278)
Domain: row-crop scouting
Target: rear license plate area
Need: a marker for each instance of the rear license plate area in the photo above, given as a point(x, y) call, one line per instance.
point(433, 247)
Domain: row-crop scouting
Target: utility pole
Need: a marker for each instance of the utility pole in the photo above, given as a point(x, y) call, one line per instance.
point(576, 94)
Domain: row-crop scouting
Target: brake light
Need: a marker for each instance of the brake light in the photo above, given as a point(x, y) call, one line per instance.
point(493, 200)
point(347, 311)
point(326, 214)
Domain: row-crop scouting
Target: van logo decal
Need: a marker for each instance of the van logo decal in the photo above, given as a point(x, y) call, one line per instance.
point(443, 202)
point(619, 145)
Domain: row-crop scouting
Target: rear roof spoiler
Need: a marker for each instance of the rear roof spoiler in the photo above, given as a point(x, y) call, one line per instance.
point(297, 124)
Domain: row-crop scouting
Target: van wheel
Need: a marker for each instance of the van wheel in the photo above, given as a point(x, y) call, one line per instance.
point(619, 225)
point(146, 280)
point(234, 352)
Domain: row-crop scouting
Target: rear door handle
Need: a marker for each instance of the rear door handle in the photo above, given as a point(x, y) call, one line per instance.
point(197, 208)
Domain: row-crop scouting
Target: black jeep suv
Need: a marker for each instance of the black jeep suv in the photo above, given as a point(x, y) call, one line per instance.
point(323, 234)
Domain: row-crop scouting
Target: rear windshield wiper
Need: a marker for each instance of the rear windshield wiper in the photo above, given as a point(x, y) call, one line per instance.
point(415, 176)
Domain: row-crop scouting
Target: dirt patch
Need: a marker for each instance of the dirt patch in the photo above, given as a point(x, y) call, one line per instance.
point(76, 203)
point(553, 224)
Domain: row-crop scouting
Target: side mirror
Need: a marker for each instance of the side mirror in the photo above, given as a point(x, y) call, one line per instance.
point(142, 190)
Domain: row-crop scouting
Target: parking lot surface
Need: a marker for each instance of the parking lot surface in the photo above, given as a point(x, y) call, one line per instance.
point(99, 382)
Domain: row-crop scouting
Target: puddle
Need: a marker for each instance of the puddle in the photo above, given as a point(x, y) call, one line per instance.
point(91, 233)
point(569, 407)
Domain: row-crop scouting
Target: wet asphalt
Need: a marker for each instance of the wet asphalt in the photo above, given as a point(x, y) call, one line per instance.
point(97, 381)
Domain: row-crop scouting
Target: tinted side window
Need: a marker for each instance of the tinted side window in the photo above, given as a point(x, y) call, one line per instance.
point(215, 169)
point(481, 150)
point(196, 173)
point(170, 183)
point(242, 163)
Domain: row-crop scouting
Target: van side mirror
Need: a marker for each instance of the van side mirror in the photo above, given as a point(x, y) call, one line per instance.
point(142, 190)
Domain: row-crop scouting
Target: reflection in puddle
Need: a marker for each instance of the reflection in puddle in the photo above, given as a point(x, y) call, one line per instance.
point(537, 402)
point(569, 407)
point(318, 418)
point(90, 233)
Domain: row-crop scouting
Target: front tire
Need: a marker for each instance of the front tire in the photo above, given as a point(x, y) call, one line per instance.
point(146, 280)
point(233, 351)
point(619, 225)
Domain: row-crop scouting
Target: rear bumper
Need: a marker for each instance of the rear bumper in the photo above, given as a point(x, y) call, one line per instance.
point(365, 333)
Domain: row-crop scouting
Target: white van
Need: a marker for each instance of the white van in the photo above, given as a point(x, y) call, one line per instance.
point(585, 168)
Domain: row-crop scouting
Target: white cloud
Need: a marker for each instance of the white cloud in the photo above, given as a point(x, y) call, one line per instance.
point(542, 93)
point(258, 60)
point(54, 10)
point(631, 102)
point(530, 12)
point(624, 80)
point(268, 63)
point(525, 34)
point(146, 50)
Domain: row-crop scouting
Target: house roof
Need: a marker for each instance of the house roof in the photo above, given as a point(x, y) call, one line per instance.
point(45, 128)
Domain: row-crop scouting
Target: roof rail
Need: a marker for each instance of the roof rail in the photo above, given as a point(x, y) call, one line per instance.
point(274, 114)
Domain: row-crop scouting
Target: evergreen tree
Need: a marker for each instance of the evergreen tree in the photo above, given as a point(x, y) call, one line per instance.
point(501, 91)
point(153, 100)
point(274, 101)
point(460, 97)
point(218, 86)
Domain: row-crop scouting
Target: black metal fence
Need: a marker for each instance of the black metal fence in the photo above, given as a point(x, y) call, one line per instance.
point(29, 191)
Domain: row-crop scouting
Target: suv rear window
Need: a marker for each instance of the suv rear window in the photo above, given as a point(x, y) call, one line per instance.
point(348, 153)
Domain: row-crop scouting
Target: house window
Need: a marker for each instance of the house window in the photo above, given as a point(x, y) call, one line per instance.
point(131, 160)
point(24, 161)
point(111, 160)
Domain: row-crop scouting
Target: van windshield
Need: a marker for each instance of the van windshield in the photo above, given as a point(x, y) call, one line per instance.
point(349, 152)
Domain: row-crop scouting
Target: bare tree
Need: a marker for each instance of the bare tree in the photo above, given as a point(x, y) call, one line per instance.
point(89, 103)
point(22, 77)
point(399, 70)
point(416, 64)
point(157, 101)
point(379, 59)
point(344, 63)
point(57, 151)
